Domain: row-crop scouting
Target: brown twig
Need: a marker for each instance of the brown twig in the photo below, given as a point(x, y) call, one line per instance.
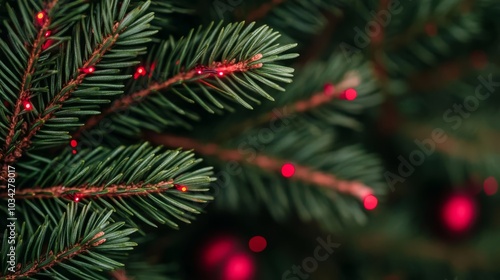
point(302, 173)
point(320, 98)
point(83, 191)
point(60, 257)
point(136, 97)
point(120, 274)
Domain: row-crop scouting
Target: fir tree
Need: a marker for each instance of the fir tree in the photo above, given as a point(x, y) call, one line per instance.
point(120, 118)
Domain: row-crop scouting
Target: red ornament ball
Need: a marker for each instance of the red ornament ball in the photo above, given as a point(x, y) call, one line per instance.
point(257, 244)
point(370, 202)
point(458, 213)
point(287, 170)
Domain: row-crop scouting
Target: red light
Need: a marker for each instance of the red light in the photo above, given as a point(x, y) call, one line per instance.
point(77, 199)
point(257, 244)
point(221, 73)
point(199, 72)
point(47, 34)
point(90, 69)
point(41, 17)
point(73, 143)
point(370, 202)
point(181, 188)
point(74, 152)
point(350, 94)
point(287, 170)
point(217, 251)
point(27, 106)
point(141, 70)
point(328, 89)
point(239, 267)
point(490, 186)
point(458, 213)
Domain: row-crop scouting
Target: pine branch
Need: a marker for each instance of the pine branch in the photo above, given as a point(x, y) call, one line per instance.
point(26, 85)
point(77, 244)
point(192, 75)
point(268, 163)
point(209, 65)
point(133, 179)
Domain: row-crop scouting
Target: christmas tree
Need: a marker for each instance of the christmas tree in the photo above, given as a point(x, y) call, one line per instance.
point(242, 140)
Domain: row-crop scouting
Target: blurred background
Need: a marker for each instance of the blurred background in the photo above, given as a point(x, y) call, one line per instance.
point(413, 113)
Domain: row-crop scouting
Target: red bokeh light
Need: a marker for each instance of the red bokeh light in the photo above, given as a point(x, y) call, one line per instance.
point(329, 89)
point(287, 170)
point(239, 267)
point(74, 152)
point(490, 186)
point(221, 73)
point(89, 69)
point(73, 143)
point(350, 94)
point(41, 17)
point(257, 244)
point(458, 213)
point(217, 251)
point(370, 202)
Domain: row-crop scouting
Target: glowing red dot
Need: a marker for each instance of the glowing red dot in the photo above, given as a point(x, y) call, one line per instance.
point(490, 186)
point(73, 143)
point(221, 73)
point(40, 15)
point(350, 94)
point(458, 213)
point(27, 106)
point(370, 202)
point(91, 69)
point(239, 267)
point(257, 244)
point(77, 199)
point(184, 189)
point(287, 170)
point(47, 34)
point(218, 250)
point(141, 70)
point(74, 152)
point(328, 89)
point(199, 71)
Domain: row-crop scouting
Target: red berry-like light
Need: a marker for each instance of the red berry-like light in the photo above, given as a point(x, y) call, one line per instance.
point(287, 170)
point(74, 152)
point(73, 143)
point(328, 89)
point(221, 73)
point(41, 17)
point(27, 105)
point(370, 202)
point(257, 244)
point(490, 186)
point(89, 69)
point(181, 188)
point(141, 71)
point(458, 213)
point(350, 94)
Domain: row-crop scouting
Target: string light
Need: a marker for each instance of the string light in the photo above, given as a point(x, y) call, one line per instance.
point(41, 17)
point(350, 94)
point(89, 69)
point(181, 188)
point(141, 71)
point(221, 73)
point(27, 105)
point(328, 89)
point(370, 202)
point(73, 143)
point(257, 244)
point(287, 170)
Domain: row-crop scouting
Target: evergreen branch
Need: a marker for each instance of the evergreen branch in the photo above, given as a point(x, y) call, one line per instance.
point(192, 75)
point(26, 84)
point(129, 180)
point(311, 102)
point(268, 163)
point(77, 244)
point(87, 191)
point(216, 61)
point(53, 259)
point(71, 90)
